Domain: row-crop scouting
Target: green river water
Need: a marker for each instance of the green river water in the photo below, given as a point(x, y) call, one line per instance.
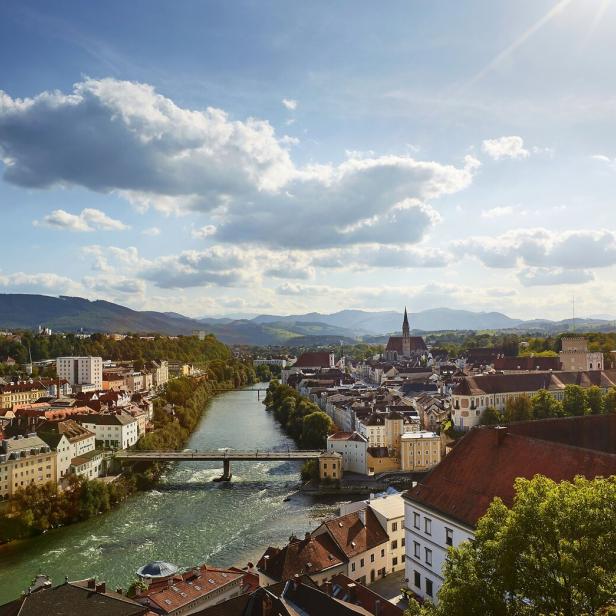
point(187, 519)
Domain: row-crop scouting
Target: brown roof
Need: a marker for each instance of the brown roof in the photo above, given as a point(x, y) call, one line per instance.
point(313, 359)
point(347, 436)
point(350, 534)
point(527, 363)
point(460, 487)
point(170, 595)
point(532, 381)
point(300, 556)
point(346, 589)
point(395, 344)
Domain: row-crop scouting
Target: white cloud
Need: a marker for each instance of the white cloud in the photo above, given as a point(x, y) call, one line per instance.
point(46, 283)
point(505, 147)
point(497, 212)
point(160, 155)
point(89, 219)
point(289, 103)
point(543, 276)
point(203, 232)
point(579, 249)
point(151, 231)
point(602, 158)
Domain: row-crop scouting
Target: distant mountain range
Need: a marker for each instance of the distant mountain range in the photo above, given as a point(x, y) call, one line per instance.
point(74, 314)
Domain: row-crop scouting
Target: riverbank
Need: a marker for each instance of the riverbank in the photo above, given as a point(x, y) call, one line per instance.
point(186, 519)
point(38, 509)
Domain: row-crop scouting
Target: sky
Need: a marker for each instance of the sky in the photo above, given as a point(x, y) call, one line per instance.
point(244, 157)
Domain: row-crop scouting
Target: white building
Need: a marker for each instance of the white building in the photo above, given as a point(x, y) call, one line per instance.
point(81, 370)
point(113, 430)
point(420, 451)
point(353, 447)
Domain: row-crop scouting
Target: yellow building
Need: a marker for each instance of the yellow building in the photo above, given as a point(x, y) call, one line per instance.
point(25, 460)
point(330, 466)
point(20, 393)
point(420, 451)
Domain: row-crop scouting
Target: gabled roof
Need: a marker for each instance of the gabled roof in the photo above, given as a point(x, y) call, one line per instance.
point(485, 463)
point(313, 359)
point(301, 556)
point(350, 534)
point(347, 436)
point(395, 344)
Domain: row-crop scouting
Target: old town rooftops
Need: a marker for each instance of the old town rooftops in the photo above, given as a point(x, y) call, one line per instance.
point(461, 487)
point(301, 556)
point(347, 436)
point(532, 381)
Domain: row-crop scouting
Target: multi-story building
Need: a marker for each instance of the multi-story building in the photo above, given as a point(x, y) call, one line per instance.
point(117, 430)
point(473, 394)
point(574, 355)
point(81, 370)
point(420, 451)
point(353, 447)
point(443, 509)
point(21, 393)
point(160, 372)
point(25, 460)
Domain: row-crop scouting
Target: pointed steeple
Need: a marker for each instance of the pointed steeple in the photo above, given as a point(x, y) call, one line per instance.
point(406, 330)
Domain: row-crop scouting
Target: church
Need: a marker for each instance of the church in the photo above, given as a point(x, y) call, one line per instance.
point(406, 346)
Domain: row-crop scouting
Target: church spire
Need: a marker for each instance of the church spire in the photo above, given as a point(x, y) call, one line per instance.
point(406, 330)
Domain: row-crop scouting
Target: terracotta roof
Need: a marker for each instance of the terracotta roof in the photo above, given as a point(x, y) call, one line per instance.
point(346, 589)
point(347, 436)
point(313, 359)
point(171, 594)
point(460, 487)
point(301, 556)
point(395, 344)
point(350, 534)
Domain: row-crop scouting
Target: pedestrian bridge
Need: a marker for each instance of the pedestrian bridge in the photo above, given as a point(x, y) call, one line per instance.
point(224, 455)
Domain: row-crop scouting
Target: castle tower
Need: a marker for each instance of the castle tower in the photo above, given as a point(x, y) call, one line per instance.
point(406, 336)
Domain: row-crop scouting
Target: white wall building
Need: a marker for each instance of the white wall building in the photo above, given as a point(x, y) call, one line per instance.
point(114, 430)
point(81, 370)
point(353, 447)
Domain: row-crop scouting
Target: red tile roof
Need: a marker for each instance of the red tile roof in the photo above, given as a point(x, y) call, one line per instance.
point(351, 535)
point(346, 589)
point(169, 595)
point(301, 556)
point(395, 344)
point(347, 436)
point(313, 359)
point(527, 363)
point(485, 463)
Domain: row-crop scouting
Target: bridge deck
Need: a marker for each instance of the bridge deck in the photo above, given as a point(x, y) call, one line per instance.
point(227, 454)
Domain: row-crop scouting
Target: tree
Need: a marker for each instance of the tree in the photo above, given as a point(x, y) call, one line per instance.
point(518, 409)
point(609, 401)
point(315, 429)
point(575, 401)
point(491, 417)
point(551, 553)
point(263, 373)
point(545, 405)
point(594, 397)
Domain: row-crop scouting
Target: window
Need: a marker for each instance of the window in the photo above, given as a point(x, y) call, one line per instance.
point(428, 556)
point(416, 549)
point(394, 545)
point(416, 520)
point(403, 557)
point(428, 526)
point(429, 590)
point(382, 552)
point(394, 562)
point(448, 536)
point(417, 580)
point(352, 566)
point(371, 558)
point(403, 542)
point(394, 527)
point(361, 562)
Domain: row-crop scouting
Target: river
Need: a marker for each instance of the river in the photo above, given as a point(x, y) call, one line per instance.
point(187, 519)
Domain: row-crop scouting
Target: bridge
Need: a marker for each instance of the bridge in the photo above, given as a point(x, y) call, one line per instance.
point(226, 456)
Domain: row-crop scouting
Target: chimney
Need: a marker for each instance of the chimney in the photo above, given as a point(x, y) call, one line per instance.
point(265, 561)
point(307, 536)
point(92, 583)
point(296, 581)
point(328, 588)
point(501, 433)
point(362, 516)
point(266, 606)
point(101, 588)
point(352, 588)
point(377, 607)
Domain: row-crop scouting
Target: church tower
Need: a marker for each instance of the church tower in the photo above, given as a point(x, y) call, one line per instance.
point(406, 336)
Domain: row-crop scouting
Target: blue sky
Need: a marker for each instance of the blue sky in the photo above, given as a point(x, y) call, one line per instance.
point(246, 157)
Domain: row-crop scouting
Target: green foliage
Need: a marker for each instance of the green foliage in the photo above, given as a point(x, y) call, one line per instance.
point(293, 410)
point(594, 398)
point(609, 401)
point(518, 409)
point(575, 401)
point(491, 417)
point(310, 470)
point(545, 405)
point(263, 373)
point(551, 553)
